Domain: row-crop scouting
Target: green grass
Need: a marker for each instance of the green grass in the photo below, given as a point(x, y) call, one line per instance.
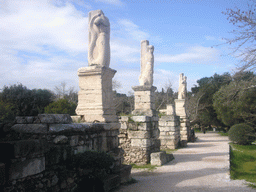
point(243, 163)
point(169, 151)
point(148, 167)
point(223, 134)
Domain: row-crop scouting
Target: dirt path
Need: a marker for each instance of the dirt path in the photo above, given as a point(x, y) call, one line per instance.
point(202, 166)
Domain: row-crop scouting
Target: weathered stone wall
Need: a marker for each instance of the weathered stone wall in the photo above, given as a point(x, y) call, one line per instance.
point(139, 138)
point(169, 127)
point(36, 151)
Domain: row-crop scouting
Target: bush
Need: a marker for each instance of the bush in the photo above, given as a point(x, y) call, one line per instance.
point(241, 134)
point(93, 160)
point(62, 106)
point(7, 112)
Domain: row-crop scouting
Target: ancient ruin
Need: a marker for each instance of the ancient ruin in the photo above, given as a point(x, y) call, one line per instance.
point(146, 63)
point(169, 126)
point(180, 109)
point(139, 134)
point(99, 36)
point(95, 98)
point(41, 158)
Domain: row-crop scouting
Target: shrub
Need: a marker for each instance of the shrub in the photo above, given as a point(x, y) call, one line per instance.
point(7, 112)
point(241, 134)
point(62, 106)
point(93, 160)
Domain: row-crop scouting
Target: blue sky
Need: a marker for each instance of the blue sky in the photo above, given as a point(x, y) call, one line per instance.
point(43, 43)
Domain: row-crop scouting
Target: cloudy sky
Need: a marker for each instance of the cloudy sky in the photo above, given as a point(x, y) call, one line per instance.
point(44, 42)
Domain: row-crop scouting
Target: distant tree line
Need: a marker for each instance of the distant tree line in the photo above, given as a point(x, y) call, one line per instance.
point(223, 100)
point(18, 100)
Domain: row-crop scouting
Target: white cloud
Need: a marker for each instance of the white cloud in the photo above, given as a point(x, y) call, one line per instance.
point(133, 30)
point(40, 42)
point(196, 54)
point(29, 25)
point(113, 2)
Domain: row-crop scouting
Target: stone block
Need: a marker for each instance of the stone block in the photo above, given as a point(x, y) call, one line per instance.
point(160, 158)
point(124, 118)
point(167, 118)
point(124, 125)
point(74, 127)
point(57, 154)
point(74, 140)
point(141, 143)
point(162, 123)
point(30, 120)
point(76, 118)
point(30, 128)
point(55, 118)
point(60, 139)
point(144, 126)
point(26, 168)
point(22, 148)
point(20, 120)
point(141, 118)
point(171, 123)
point(2, 174)
point(139, 134)
point(111, 182)
point(167, 129)
point(125, 173)
point(111, 125)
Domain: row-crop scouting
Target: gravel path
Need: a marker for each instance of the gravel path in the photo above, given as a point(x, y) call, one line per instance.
point(202, 166)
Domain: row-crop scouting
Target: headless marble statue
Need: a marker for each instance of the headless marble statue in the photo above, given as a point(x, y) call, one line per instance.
point(146, 63)
point(182, 87)
point(99, 36)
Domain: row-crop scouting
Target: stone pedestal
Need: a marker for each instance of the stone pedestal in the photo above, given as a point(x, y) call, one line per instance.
point(180, 110)
point(144, 101)
point(139, 138)
point(95, 98)
point(169, 131)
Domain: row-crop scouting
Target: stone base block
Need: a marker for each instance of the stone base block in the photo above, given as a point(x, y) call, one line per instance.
point(111, 182)
point(76, 118)
point(125, 173)
point(160, 158)
point(25, 168)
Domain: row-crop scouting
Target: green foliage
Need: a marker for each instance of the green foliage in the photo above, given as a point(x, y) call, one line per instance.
point(241, 134)
point(200, 100)
point(223, 134)
point(236, 103)
point(18, 100)
point(93, 160)
point(7, 112)
point(243, 162)
point(61, 106)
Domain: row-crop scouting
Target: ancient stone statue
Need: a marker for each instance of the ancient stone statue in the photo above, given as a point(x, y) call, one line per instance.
point(99, 35)
point(182, 87)
point(146, 63)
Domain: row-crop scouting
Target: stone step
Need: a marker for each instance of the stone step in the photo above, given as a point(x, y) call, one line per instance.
point(160, 158)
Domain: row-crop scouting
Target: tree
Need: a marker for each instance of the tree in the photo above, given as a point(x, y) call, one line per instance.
point(245, 34)
point(236, 102)
point(200, 105)
point(61, 106)
point(166, 96)
point(62, 92)
point(25, 101)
